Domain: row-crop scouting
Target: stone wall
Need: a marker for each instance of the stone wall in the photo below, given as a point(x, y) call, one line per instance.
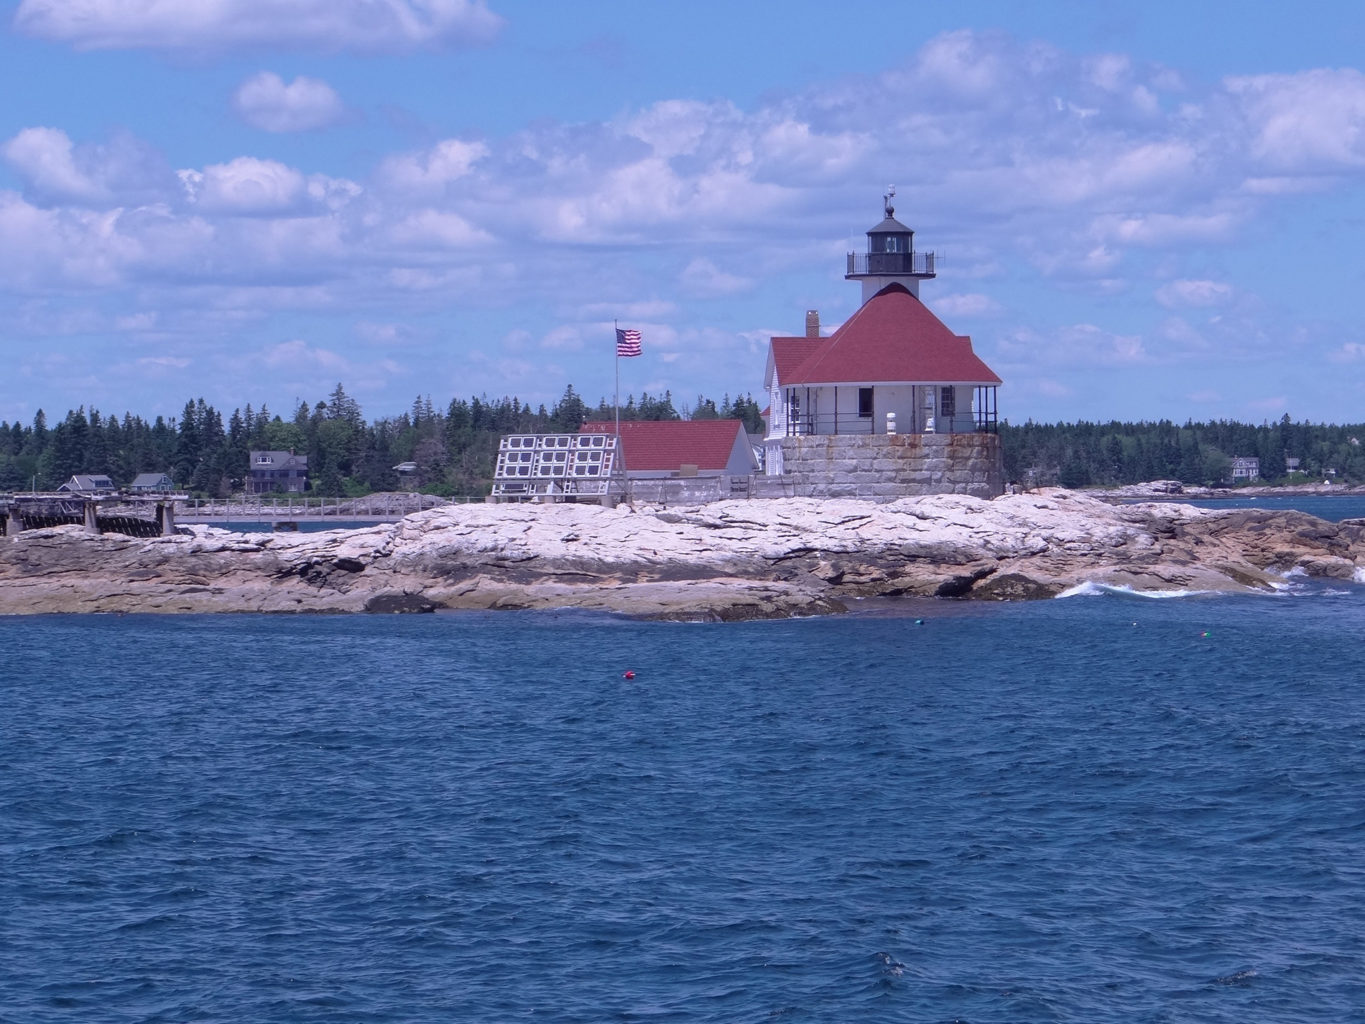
point(688, 490)
point(883, 467)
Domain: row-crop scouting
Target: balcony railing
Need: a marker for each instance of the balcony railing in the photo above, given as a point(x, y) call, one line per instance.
point(902, 264)
point(803, 426)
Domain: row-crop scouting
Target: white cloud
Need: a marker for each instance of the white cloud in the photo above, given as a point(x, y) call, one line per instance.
point(365, 26)
point(632, 311)
point(265, 102)
point(246, 185)
point(331, 193)
point(1160, 229)
point(964, 63)
point(804, 153)
point(144, 321)
point(1311, 121)
point(382, 333)
point(44, 157)
point(966, 304)
point(702, 277)
point(435, 228)
point(298, 355)
point(1109, 71)
point(563, 338)
point(1182, 333)
point(54, 169)
point(1049, 388)
point(430, 171)
point(677, 127)
point(1185, 293)
point(1079, 345)
point(1350, 352)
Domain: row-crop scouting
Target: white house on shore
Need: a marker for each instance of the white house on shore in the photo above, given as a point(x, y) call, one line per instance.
point(892, 376)
point(892, 367)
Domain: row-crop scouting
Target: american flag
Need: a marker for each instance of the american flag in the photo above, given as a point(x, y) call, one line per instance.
point(627, 342)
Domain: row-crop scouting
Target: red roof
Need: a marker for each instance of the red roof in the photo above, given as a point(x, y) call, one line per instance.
point(893, 338)
point(790, 353)
point(667, 444)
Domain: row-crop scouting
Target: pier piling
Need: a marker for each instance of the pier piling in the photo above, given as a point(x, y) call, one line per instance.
point(92, 525)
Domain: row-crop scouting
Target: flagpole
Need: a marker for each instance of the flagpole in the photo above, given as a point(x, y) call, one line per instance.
point(616, 347)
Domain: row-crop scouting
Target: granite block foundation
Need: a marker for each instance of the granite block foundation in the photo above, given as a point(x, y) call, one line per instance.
point(883, 467)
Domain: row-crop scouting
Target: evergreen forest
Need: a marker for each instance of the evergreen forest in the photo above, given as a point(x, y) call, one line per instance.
point(1109, 454)
point(455, 447)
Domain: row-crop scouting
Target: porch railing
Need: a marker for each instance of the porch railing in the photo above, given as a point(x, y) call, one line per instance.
point(814, 425)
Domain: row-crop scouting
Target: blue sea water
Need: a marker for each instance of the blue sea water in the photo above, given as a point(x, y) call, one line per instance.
point(1094, 809)
point(1332, 507)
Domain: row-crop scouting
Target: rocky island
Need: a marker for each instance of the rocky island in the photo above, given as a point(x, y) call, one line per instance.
point(725, 560)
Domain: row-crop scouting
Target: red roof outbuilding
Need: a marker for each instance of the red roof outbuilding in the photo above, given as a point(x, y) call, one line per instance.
point(665, 446)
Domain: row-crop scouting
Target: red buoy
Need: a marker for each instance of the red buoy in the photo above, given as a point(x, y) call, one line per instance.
point(627, 674)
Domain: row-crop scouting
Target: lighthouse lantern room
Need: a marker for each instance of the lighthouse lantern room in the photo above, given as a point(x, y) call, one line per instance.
point(891, 257)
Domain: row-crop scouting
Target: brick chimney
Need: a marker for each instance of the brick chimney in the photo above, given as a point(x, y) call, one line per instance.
point(812, 323)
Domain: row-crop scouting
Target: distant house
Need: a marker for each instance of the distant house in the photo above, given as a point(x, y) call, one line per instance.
point(655, 449)
point(1246, 468)
point(1291, 465)
point(277, 472)
point(151, 483)
point(405, 471)
point(96, 483)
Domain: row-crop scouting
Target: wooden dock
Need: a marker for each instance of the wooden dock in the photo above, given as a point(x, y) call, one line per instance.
point(151, 515)
point(374, 508)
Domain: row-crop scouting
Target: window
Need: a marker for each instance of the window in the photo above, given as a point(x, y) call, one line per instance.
point(891, 242)
point(947, 402)
point(865, 402)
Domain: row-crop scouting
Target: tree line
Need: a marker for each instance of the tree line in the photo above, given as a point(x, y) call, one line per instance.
point(454, 448)
point(1106, 454)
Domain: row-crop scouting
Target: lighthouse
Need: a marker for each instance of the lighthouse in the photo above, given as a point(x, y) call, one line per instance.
point(893, 402)
point(890, 256)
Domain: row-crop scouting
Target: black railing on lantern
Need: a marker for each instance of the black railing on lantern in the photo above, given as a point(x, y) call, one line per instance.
point(905, 264)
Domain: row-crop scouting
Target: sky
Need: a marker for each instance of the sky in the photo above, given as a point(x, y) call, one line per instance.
point(1140, 211)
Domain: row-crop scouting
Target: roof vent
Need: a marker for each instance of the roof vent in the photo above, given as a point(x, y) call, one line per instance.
point(812, 323)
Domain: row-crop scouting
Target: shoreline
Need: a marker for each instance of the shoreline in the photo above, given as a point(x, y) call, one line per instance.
point(728, 561)
point(1172, 490)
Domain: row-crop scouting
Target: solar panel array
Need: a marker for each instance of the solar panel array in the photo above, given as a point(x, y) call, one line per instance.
point(558, 466)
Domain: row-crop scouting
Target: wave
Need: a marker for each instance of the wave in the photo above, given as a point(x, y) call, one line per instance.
point(1091, 589)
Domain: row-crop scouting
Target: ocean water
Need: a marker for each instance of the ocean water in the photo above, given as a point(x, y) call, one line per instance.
point(1332, 507)
point(1096, 809)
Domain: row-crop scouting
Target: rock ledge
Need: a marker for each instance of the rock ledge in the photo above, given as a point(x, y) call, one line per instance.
point(726, 560)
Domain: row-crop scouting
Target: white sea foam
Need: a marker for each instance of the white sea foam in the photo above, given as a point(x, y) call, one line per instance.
point(1092, 589)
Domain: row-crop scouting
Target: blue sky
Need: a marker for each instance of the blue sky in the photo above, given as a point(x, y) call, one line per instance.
point(1139, 214)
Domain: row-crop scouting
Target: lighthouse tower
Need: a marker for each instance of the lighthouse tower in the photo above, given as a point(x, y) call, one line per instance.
point(890, 256)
